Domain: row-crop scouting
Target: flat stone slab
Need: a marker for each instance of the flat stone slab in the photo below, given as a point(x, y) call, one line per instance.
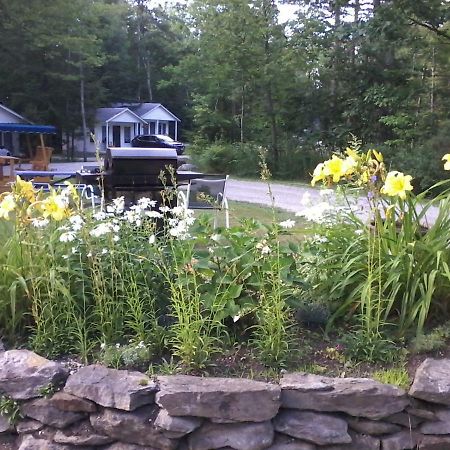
point(372, 427)
point(28, 426)
point(4, 424)
point(135, 427)
point(359, 442)
point(403, 440)
point(222, 399)
point(432, 381)
point(45, 411)
point(238, 436)
point(31, 443)
point(320, 429)
point(81, 434)
point(68, 402)
point(120, 389)
point(124, 446)
point(284, 442)
point(24, 374)
point(360, 397)
point(435, 443)
point(441, 424)
point(176, 426)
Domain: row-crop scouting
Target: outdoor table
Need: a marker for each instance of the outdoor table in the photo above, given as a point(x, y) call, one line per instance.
point(30, 174)
point(187, 175)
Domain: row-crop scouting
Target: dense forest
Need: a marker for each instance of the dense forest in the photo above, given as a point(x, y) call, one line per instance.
point(239, 79)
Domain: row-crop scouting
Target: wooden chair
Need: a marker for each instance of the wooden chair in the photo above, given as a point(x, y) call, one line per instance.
point(41, 158)
point(6, 180)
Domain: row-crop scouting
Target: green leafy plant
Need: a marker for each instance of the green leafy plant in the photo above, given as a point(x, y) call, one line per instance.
point(367, 346)
point(434, 340)
point(48, 390)
point(131, 355)
point(397, 376)
point(10, 409)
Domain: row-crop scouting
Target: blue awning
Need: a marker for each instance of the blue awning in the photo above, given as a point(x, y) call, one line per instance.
point(25, 128)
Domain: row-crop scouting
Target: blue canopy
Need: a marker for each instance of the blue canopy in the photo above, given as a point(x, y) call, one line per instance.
point(25, 128)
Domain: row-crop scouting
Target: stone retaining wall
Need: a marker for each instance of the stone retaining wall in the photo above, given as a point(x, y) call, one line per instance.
point(99, 408)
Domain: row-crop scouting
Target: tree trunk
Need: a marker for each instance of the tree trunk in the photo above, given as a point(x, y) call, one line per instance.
point(72, 146)
point(433, 81)
point(242, 112)
point(336, 10)
point(83, 112)
point(273, 128)
point(148, 79)
point(67, 145)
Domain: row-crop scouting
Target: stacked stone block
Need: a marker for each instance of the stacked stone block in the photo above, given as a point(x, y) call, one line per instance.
point(98, 408)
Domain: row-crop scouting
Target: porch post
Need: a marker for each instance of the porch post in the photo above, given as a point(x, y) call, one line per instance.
point(107, 136)
point(176, 130)
point(157, 127)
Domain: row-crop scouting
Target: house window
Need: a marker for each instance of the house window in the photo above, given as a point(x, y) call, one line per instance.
point(162, 128)
point(104, 134)
point(127, 135)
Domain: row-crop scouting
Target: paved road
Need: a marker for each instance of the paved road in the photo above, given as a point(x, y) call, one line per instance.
point(285, 196)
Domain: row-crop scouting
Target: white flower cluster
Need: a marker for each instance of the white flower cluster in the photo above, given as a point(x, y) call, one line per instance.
point(287, 224)
point(327, 211)
point(105, 228)
point(180, 222)
point(40, 223)
point(263, 247)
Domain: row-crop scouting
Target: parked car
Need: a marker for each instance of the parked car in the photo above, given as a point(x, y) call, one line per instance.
point(157, 141)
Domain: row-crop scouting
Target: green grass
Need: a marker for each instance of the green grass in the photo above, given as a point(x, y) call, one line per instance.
point(261, 213)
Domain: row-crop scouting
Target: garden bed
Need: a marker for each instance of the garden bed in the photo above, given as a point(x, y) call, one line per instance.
point(115, 287)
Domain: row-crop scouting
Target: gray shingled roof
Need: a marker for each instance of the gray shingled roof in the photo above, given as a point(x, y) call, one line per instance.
point(140, 109)
point(104, 114)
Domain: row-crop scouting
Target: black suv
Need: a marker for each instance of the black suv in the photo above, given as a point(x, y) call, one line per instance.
point(157, 141)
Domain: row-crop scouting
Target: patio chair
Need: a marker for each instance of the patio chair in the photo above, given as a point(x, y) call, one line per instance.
point(206, 194)
point(42, 158)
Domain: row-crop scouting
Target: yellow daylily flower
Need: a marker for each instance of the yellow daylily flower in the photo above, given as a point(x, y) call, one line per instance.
point(54, 206)
point(446, 158)
point(350, 165)
point(25, 189)
point(397, 184)
point(318, 174)
point(72, 190)
point(378, 156)
point(6, 206)
point(336, 168)
point(353, 153)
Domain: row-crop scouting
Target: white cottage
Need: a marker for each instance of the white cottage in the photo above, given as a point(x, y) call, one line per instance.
point(118, 125)
point(8, 138)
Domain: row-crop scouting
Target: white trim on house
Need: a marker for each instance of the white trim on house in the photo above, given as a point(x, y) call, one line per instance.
point(14, 114)
point(159, 105)
point(124, 111)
